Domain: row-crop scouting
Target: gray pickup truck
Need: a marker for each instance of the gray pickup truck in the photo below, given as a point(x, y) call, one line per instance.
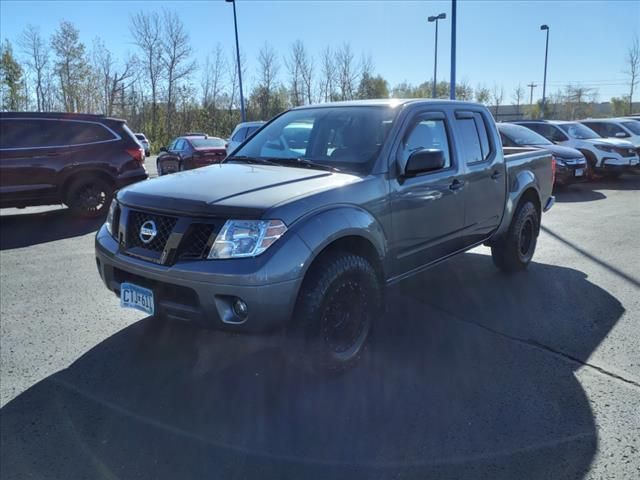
point(307, 221)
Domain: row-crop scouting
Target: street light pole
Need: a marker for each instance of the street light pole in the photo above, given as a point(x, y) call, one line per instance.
point(441, 16)
point(235, 24)
point(452, 86)
point(544, 82)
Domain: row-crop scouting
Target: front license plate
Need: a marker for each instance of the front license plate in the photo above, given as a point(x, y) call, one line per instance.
point(133, 296)
point(579, 172)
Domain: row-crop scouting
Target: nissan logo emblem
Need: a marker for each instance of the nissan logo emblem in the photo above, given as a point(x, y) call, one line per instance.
point(148, 231)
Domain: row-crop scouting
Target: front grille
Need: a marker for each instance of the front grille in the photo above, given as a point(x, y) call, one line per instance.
point(194, 246)
point(164, 227)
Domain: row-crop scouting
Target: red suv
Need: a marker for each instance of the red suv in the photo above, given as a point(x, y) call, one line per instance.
point(75, 159)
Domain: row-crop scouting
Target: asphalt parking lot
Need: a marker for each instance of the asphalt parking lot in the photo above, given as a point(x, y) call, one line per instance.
point(471, 373)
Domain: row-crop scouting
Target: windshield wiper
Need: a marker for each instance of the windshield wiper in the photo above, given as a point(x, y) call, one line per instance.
point(246, 159)
point(302, 162)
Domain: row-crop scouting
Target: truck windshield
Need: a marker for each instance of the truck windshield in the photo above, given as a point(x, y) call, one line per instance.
point(522, 136)
point(346, 138)
point(579, 131)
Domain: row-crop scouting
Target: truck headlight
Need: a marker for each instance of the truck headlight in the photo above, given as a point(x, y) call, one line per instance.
point(246, 238)
point(605, 148)
point(111, 216)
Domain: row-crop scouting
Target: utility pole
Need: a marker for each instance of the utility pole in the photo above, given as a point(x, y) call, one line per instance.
point(235, 25)
point(435, 18)
point(544, 83)
point(531, 86)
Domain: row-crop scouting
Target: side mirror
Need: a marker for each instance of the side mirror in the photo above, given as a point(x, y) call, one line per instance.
point(163, 149)
point(425, 160)
point(621, 135)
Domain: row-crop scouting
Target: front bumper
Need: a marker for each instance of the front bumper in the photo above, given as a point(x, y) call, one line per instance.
point(203, 291)
point(620, 164)
point(566, 174)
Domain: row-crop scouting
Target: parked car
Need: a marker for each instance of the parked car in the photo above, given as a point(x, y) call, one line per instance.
point(241, 133)
point(383, 190)
point(75, 159)
point(144, 143)
point(607, 156)
point(189, 152)
point(622, 128)
point(570, 163)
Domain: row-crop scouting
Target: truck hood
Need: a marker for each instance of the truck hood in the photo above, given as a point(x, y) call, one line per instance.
point(230, 189)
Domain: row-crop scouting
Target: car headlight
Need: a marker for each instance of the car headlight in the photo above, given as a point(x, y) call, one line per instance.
point(561, 162)
point(605, 148)
point(246, 238)
point(110, 216)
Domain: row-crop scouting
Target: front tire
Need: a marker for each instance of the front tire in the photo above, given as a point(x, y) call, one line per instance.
point(514, 252)
point(334, 313)
point(89, 197)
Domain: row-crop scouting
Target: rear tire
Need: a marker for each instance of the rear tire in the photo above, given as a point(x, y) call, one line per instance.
point(89, 197)
point(514, 252)
point(334, 314)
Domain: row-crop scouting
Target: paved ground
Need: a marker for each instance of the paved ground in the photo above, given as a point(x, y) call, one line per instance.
point(471, 374)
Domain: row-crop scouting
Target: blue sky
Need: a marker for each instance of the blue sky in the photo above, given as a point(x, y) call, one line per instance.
point(498, 41)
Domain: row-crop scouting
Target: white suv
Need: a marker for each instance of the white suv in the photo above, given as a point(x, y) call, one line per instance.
point(241, 133)
point(622, 128)
point(604, 155)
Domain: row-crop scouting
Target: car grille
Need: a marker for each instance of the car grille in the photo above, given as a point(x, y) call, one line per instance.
point(192, 241)
point(196, 242)
point(164, 227)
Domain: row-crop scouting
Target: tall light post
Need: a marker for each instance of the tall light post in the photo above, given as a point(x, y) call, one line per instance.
point(452, 80)
point(235, 24)
point(544, 82)
point(441, 16)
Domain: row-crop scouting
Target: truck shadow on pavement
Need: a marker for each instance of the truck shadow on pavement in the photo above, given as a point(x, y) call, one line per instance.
point(470, 374)
point(590, 191)
point(26, 229)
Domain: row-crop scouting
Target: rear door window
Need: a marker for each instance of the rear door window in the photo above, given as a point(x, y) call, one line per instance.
point(470, 140)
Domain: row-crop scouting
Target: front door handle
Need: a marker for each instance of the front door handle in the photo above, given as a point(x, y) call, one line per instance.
point(496, 174)
point(456, 185)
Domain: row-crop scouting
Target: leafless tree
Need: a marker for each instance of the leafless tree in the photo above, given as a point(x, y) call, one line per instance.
point(145, 28)
point(347, 72)
point(518, 96)
point(176, 59)
point(37, 52)
point(633, 68)
point(292, 63)
point(306, 70)
point(268, 68)
point(328, 75)
point(497, 97)
point(212, 78)
point(113, 81)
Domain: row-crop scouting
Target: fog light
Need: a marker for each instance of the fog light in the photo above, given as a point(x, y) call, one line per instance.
point(240, 308)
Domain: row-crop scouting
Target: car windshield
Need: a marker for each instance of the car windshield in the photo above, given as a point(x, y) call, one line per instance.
point(207, 142)
point(346, 138)
point(522, 135)
point(632, 126)
point(579, 131)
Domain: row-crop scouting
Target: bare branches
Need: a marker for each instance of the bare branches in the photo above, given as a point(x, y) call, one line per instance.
point(633, 68)
point(37, 52)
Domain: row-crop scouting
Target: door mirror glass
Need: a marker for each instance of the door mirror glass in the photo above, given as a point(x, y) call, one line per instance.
point(621, 135)
point(424, 160)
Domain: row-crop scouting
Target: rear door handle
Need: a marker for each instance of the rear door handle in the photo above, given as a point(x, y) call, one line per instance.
point(456, 185)
point(496, 174)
